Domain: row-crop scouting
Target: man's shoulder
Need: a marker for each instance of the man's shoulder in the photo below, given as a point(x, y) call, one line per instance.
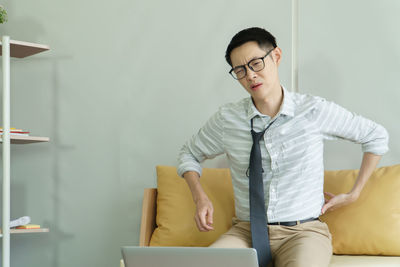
point(304, 98)
point(238, 107)
point(304, 102)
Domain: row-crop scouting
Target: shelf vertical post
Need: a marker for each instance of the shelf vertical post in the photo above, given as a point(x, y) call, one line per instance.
point(295, 46)
point(6, 151)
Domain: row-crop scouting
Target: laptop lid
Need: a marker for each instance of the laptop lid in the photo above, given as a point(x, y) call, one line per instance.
point(188, 256)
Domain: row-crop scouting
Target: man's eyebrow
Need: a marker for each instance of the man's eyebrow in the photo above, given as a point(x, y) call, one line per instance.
point(247, 62)
point(253, 58)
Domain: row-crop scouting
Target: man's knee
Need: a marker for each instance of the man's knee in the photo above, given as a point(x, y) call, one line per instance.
point(305, 256)
point(229, 241)
point(304, 260)
point(299, 263)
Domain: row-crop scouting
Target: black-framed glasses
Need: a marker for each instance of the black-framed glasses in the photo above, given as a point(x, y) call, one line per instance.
point(256, 65)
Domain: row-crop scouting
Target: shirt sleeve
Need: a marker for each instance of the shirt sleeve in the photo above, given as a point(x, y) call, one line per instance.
point(206, 144)
point(338, 123)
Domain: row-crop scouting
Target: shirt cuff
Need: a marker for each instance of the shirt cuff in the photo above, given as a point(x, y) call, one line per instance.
point(374, 149)
point(189, 166)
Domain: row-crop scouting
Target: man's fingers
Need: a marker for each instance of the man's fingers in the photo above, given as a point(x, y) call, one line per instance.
point(329, 194)
point(204, 215)
point(197, 223)
point(202, 221)
point(331, 205)
point(197, 220)
point(326, 207)
point(210, 217)
point(335, 202)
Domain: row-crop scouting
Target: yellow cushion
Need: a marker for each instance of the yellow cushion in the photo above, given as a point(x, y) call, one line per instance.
point(175, 208)
point(371, 225)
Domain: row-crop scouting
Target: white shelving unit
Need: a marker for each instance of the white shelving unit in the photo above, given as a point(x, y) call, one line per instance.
point(18, 49)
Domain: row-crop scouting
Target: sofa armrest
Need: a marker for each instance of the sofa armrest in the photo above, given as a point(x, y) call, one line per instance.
point(148, 223)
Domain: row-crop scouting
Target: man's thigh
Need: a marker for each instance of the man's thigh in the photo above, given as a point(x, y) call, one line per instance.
point(239, 236)
point(304, 245)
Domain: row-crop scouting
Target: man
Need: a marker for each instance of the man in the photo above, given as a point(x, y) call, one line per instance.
point(291, 163)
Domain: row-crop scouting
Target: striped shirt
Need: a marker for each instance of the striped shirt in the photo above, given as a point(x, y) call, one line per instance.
point(291, 149)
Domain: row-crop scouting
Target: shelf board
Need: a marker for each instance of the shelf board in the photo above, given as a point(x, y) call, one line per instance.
point(20, 49)
point(27, 231)
point(21, 139)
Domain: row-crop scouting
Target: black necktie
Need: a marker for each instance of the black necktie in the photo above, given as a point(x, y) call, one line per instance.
point(258, 219)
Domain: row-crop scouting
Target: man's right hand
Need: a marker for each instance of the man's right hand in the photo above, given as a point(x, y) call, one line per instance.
point(204, 215)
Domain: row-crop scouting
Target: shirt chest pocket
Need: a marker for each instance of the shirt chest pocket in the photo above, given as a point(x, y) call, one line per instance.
point(295, 142)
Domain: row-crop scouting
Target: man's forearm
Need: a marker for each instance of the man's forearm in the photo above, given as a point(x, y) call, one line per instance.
point(193, 180)
point(204, 208)
point(368, 165)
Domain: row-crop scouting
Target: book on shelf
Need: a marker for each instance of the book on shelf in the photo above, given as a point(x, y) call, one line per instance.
point(19, 133)
point(23, 223)
point(14, 131)
point(26, 228)
point(29, 226)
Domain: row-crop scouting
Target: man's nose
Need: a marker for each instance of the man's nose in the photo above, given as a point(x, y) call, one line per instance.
point(250, 74)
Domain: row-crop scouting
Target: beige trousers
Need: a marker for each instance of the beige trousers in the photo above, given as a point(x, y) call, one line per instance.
point(305, 245)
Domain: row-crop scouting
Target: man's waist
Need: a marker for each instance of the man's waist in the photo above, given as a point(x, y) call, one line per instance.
point(293, 223)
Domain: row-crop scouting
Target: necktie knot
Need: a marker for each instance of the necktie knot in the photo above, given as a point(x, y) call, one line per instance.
point(257, 135)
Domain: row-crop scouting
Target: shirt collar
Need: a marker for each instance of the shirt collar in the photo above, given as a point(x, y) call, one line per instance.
point(287, 106)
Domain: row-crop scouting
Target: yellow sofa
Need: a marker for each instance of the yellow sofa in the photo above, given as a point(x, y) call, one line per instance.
point(365, 233)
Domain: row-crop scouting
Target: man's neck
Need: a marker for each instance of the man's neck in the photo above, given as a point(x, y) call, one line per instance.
point(270, 105)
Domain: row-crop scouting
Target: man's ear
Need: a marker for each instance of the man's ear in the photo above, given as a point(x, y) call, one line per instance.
point(277, 55)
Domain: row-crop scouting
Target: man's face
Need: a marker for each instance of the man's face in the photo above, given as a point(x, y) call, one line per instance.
point(261, 84)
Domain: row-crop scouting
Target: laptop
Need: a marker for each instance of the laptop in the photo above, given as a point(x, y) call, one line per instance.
point(188, 256)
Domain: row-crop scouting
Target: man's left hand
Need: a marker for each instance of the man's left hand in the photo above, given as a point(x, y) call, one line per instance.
point(337, 201)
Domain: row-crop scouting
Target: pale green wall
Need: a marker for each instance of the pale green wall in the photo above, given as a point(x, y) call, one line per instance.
point(115, 100)
point(350, 53)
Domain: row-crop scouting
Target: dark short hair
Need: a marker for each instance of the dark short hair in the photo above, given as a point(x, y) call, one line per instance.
point(263, 38)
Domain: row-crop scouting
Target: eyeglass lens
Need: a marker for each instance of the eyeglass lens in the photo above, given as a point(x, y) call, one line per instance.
point(255, 65)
